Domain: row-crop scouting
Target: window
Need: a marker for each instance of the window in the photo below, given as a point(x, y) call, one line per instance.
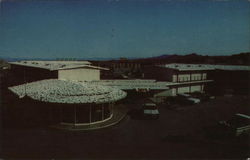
point(174, 78)
point(82, 114)
point(107, 110)
point(179, 79)
point(68, 114)
point(96, 113)
point(204, 76)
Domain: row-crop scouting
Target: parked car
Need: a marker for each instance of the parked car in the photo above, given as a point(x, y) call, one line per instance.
point(194, 100)
point(184, 95)
point(202, 96)
point(239, 124)
point(150, 111)
point(187, 99)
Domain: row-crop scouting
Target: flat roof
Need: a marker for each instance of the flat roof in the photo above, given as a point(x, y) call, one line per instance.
point(195, 67)
point(133, 84)
point(150, 84)
point(243, 115)
point(69, 92)
point(188, 82)
point(57, 65)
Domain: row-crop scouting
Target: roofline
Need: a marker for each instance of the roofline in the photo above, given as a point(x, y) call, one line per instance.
point(79, 66)
point(243, 115)
point(187, 69)
point(83, 66)
point(188, 82)
point(20, 92)
point(16, 63)
point(213, 67)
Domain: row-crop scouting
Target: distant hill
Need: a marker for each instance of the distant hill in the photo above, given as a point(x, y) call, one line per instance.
point(11, 59)
point(236, 59)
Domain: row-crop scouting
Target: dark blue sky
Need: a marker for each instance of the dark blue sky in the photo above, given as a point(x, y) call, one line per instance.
point(123, 28)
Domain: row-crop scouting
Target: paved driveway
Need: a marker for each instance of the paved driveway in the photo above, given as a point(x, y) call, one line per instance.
point(176, 134)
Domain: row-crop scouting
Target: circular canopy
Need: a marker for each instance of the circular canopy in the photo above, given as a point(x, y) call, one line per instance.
point(62, 91)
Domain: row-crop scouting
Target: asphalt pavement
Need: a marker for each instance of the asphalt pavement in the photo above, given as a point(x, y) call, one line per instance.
point(178, 133)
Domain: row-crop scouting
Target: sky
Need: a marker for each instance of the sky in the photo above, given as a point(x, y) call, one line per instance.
point(123, 28)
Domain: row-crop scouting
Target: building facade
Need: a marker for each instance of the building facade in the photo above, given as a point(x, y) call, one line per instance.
point(67, 103)
point(188, 78)
point(29, 71)
point(181, 78)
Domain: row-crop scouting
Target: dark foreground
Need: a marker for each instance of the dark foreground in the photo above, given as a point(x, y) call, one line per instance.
point(176, 134)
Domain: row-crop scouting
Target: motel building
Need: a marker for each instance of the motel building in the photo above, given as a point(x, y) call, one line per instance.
point(188, 78)
point(179, 78)
point(57, 91)
point(29, 71)
point(76, 98)
point(70, 104)
point(71, 95)
point(206, 77)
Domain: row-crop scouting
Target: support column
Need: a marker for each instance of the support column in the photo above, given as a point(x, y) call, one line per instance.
point(50, 115)
point(74, 115)
point(61, 114)
point(90, 113)
point(113, 107)
point(102, 111)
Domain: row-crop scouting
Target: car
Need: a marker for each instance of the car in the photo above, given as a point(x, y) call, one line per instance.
point(150, 111)
point(194, 100)
point(202, 96)
point(239, 124)
point(184, 95)
point(187, 99)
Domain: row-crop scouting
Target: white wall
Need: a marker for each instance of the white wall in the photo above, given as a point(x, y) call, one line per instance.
point(204, 76)
point(183, 89)
point(183, 77)
point(186, 77)
point(196, 88)
point(164, 93)
point(79, 74)
point(159, 97)
point(202, 87)
point(174, 91)
point(174, 79)
point(195, 77)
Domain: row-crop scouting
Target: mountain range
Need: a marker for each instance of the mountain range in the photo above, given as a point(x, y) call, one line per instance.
point(235, 59)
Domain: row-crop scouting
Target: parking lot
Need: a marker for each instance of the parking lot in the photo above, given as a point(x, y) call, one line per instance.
point(178, 133)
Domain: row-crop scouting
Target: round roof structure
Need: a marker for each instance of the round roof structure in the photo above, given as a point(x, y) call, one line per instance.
point(70, 92)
